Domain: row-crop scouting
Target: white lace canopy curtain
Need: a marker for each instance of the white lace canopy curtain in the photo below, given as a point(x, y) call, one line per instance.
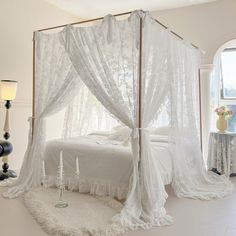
point(106, 57)
point(147, 196)
point(56, 83)
point(85, 114)
point(190, 178)
point(155, 87)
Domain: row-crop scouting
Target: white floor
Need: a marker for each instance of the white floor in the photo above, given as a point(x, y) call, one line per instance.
point(192, 218)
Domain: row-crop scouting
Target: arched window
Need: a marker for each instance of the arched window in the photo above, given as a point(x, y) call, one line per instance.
point(223, 83)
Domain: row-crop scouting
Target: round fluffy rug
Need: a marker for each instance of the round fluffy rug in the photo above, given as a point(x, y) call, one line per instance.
point(86, 215)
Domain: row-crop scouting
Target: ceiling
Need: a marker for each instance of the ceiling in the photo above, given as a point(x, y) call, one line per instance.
point(97, 8)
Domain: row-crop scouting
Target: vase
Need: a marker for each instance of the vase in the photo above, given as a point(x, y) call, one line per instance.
point(221, 124)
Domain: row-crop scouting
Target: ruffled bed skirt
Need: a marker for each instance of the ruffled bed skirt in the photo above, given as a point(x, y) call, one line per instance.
point(91, 186)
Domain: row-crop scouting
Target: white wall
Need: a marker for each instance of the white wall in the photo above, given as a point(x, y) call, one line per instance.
point(208, 26)
point(18, 20)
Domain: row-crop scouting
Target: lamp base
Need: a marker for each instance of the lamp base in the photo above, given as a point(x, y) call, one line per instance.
point(8, 174)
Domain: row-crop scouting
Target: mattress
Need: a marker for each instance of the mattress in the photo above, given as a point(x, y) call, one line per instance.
point(105, 165)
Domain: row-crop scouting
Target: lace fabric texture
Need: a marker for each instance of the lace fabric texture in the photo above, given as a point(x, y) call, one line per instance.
point(190, 178)
point(221, 153)
point(56, 82)
point(105, 59)
point(90, 186)
point(85, 114)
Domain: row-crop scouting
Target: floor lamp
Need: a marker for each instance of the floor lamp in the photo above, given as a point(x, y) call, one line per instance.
point(8, 93)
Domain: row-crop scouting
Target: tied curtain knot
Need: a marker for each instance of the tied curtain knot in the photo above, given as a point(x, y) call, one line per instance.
point(135, 132)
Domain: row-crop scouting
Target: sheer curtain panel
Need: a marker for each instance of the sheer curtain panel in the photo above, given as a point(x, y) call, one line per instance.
point(56, 83)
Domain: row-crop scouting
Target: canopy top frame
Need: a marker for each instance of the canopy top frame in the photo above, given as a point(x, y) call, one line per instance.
point(116, 15)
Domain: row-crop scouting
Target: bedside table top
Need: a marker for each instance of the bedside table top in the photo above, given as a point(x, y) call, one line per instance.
point(225, 133)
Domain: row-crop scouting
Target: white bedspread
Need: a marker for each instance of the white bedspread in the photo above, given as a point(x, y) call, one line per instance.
point(105, 165)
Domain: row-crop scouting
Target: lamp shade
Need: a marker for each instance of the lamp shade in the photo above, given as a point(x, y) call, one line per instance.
point(8, 89)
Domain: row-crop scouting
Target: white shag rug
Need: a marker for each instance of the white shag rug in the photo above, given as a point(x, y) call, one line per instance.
point(86, 215)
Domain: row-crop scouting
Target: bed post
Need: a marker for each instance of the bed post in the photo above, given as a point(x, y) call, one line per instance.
point(140, 87)
point(33, 95)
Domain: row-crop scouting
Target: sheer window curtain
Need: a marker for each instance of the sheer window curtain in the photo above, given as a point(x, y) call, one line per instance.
point(56, 83)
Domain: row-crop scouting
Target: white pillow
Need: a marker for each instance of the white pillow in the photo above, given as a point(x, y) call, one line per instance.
point(121, 134)
point(162, 130)
point(100, 133)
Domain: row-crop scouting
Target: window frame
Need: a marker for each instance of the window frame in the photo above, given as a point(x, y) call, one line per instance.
point(225, 100)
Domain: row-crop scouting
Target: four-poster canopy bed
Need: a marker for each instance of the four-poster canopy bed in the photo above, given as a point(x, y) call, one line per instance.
point(140, 58)
point(50, 152)
point(97, 19)
point(134, 68)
